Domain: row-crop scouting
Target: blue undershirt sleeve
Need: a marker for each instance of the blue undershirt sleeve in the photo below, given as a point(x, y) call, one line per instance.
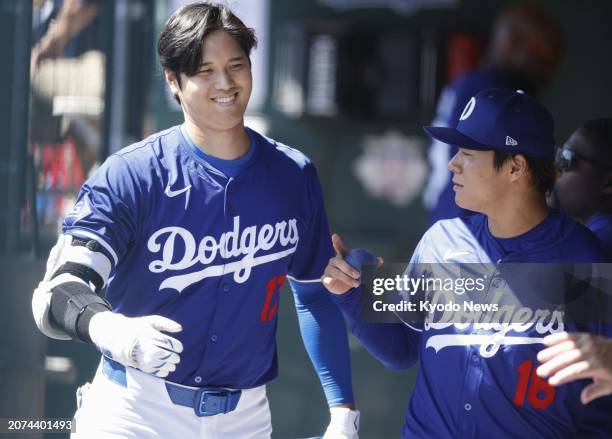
point(393, 344)
point(325, 339)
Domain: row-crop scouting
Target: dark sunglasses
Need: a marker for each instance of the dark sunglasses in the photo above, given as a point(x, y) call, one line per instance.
point(566, 160)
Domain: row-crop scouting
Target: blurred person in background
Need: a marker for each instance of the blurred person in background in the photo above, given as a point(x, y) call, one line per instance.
point(524, 51)
point(584, 185)
point(584, 190)
point(67, 74)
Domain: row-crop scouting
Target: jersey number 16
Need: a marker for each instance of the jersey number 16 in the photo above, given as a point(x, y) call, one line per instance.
point(539, 393)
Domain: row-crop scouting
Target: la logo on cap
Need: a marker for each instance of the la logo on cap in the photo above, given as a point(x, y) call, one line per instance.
point(469, 108)
point(510, 141)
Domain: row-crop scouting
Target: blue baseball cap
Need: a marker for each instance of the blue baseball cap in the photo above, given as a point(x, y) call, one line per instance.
point(502, 120)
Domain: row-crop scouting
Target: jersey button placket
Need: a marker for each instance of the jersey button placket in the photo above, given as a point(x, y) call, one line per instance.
point(493, 284)
point(224, 286)
point(229, 189)
point(470, 391)
point(474, 358)
point(498, 282)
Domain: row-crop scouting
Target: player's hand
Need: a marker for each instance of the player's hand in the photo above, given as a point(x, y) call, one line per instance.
point(344, 424)
point(50, 46)
point(137, 342)
point(576, 356)
point(340, 276)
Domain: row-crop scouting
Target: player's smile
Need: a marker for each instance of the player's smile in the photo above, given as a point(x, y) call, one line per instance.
point(225, 101)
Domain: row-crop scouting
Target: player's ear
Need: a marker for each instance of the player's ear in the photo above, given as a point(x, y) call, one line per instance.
point(172, 81)
point(518, 167)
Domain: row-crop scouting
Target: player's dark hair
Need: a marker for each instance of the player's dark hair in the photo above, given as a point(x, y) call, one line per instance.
point(179, 46)
point(542, 171)
point(599, 134)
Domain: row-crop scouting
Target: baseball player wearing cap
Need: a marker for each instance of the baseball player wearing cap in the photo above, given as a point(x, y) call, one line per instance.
point(469, 386)
point(524, 51)
point(192, 232)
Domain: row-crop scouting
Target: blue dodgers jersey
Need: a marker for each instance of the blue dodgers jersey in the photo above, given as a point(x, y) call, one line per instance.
point(467, 387)
point(601, 226)
point(207, 251)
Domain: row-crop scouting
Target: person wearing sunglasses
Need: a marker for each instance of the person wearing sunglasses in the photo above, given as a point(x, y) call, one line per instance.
point(584, 186)
point(584, 190)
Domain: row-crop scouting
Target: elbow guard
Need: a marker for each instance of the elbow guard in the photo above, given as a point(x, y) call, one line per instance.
point(66, 299)
point(73, 304)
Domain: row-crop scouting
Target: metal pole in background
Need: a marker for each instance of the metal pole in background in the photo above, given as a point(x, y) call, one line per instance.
point(15, 115)
point(22, 372)
point(128, 72)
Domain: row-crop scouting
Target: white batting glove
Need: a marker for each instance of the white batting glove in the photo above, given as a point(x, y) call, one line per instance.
point(137, 342)
point(344, 424)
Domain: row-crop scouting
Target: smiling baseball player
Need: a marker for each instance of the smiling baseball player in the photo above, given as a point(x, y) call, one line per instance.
point(481, 382)
point(192, 232)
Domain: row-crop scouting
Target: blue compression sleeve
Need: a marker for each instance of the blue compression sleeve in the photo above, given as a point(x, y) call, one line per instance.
point(325, 339)
point(393, 344)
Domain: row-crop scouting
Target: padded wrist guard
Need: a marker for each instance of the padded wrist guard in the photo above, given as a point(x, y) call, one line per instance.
point(73, 304)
